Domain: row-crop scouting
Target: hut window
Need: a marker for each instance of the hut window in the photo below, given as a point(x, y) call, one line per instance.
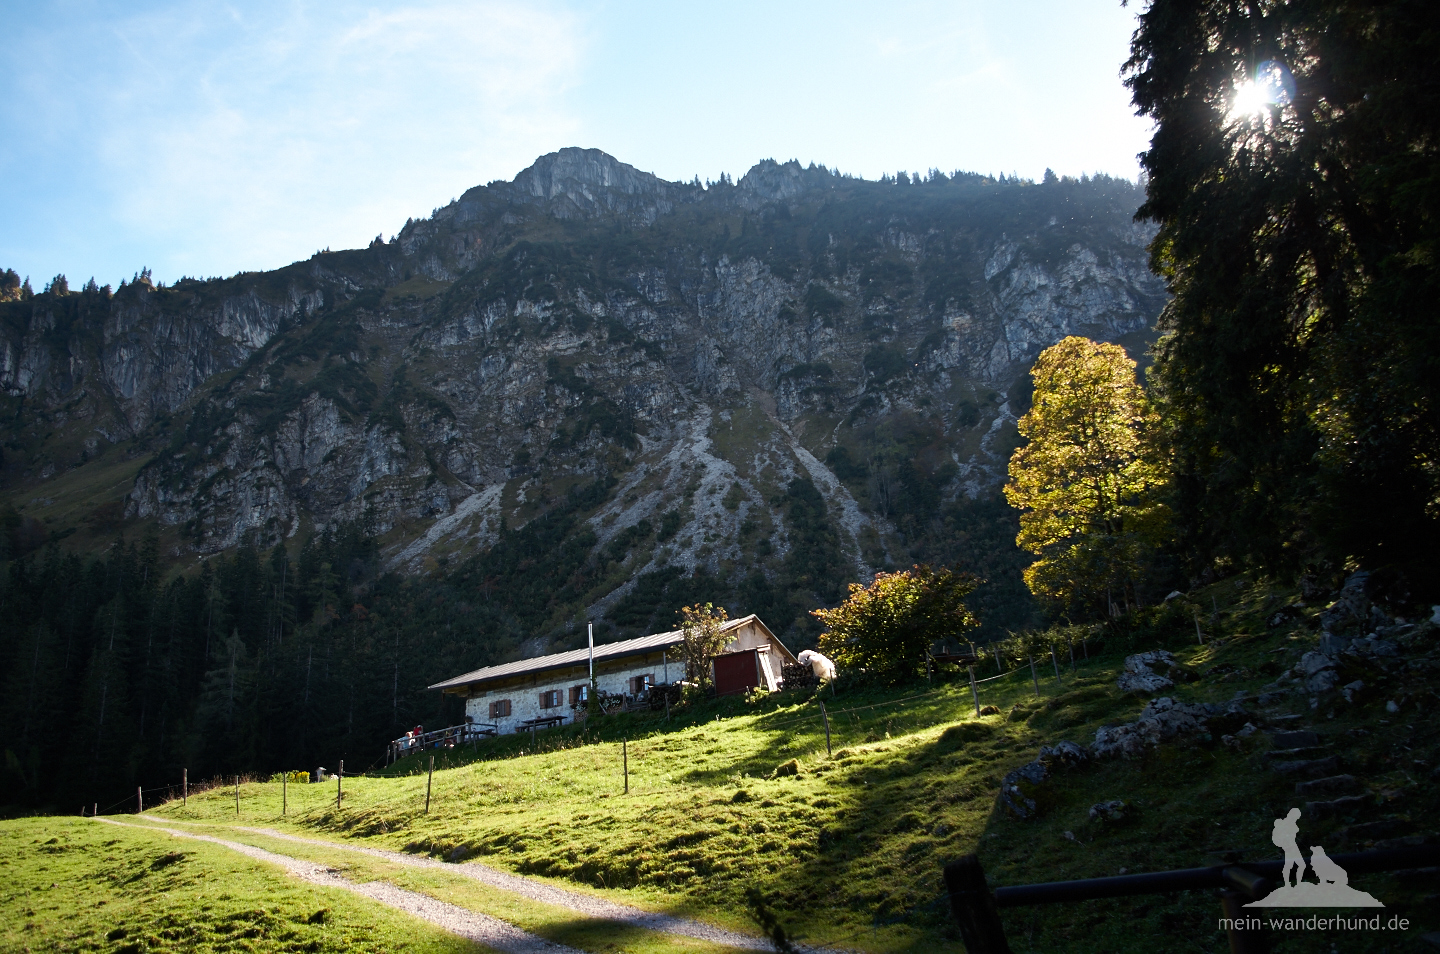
point(639, 684)
point(500, 709)
point(550, 699)
point(579, 695)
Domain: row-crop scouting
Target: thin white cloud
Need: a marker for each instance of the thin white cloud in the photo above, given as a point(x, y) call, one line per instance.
point(247, 142)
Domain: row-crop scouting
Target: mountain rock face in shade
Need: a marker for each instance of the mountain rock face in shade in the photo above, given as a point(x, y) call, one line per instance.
point(738, 375)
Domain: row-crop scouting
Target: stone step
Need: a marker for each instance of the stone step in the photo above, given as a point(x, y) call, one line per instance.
point(1339, 806)
point(1333, 785)
point(1373, 831)
point(1308, 768)
point(1292, 755)
point(1406, 841)
point(1295, 739)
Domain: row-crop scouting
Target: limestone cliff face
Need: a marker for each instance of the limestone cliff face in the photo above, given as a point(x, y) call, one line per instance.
point(696, 349)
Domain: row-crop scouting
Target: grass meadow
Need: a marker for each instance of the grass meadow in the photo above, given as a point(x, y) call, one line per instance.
point(847, 847)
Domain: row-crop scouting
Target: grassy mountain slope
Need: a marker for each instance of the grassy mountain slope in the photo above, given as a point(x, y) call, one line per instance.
point(849, 850)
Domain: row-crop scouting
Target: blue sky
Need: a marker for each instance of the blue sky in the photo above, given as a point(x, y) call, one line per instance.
point(205, 138)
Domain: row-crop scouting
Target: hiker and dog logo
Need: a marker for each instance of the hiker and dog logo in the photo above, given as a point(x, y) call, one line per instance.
point(1330, 890)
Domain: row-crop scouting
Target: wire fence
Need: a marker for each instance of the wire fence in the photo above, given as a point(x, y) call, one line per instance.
point(841, 724)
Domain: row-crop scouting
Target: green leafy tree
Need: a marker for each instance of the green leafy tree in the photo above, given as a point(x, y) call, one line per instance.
point(1295, 175)
point(702, 638)
point(883, 631)
point(1087, 483)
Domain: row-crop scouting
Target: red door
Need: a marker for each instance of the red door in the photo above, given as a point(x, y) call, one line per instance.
point(736, 672)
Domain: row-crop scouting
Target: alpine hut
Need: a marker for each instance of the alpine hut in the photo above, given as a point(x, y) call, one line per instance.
point(515, 696)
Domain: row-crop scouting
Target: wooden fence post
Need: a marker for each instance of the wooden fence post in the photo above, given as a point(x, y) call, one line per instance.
point(1071, 643)
point(625, 762)
point(1056, 663)
point(338, 776)
point(826, 717)
point(1198, 638)
point(974, 907)
point(284, 793)
point(139, 801)
point(975, 691)
point(185, 786)
point(428, 779)
point(237, 794)
point(95, 810)
point(1034, 678)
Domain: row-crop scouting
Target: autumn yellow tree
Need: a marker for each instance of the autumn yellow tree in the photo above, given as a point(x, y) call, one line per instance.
point(1088, 480)
point(882, 631)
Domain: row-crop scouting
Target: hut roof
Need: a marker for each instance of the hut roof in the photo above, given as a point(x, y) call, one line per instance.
point(578, 657)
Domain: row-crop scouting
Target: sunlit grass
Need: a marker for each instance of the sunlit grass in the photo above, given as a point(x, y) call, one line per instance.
point(81, 885)
point(851, 849)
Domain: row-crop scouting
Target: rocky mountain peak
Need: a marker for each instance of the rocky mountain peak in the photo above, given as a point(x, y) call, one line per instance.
point(583, 183)
point(582, 174)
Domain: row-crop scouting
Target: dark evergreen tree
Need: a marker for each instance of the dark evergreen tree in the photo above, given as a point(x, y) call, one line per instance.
point(1294, 173)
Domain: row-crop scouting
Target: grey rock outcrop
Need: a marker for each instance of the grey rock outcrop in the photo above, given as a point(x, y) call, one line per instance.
point(1162, 720)
point(547, 332)
point(1023, 790)
point(1140, 677)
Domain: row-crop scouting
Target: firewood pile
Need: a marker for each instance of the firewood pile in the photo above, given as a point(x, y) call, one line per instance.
point(797, 676)
point(656, 695)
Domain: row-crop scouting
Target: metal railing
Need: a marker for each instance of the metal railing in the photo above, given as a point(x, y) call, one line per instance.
point(976, 906)
point(439, 738)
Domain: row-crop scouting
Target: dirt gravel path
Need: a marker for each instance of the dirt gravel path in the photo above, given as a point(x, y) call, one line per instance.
point(492, 932)
point(548, 894)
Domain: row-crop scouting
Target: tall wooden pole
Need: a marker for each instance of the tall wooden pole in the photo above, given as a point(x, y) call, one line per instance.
point(625, 756)
point(975, 691)
point(1034, 678)
point(185, 786)
point(428, 779)
point(338, 776)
